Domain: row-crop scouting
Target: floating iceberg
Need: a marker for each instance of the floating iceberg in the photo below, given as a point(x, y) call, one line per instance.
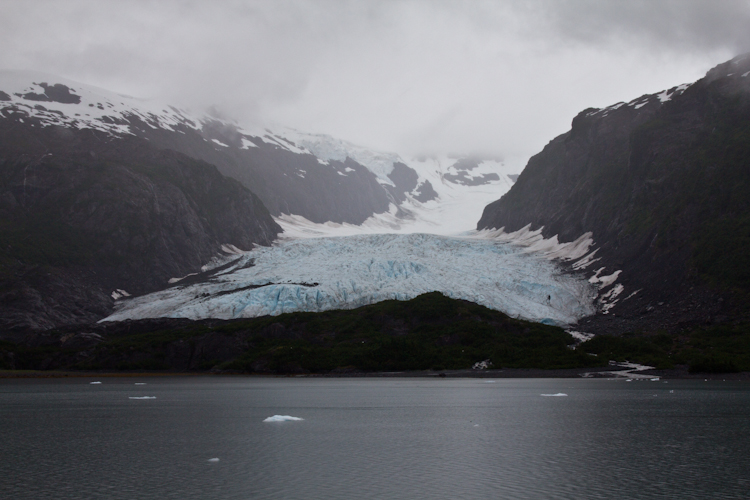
point(142, 397)
point(559, 394)
point(281, 418)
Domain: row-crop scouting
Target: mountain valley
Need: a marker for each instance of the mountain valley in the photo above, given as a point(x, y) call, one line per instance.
point(120, 211)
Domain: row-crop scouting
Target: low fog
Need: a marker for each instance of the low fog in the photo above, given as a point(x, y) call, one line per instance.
point(497, 78)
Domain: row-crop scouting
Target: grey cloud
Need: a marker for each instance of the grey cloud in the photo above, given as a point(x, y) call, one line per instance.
point(500, 77)
point(673, 24)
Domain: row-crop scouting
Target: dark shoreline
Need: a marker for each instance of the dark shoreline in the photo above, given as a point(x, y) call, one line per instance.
point(679, 373)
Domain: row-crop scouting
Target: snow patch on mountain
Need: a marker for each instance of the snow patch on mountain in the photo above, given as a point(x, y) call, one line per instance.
point(578, 254)
point(454, 212)
point(658, 98)
point(83, 106)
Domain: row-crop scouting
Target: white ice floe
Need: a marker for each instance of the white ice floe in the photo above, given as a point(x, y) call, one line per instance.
point(94, 383)
point(282, 418)
point(140, 383)
point(142, 397)
point(559, 394)
point(213, 459)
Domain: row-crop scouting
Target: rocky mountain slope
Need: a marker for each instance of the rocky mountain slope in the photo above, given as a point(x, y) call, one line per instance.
point(313, 176)
point(663, 185)
point(86, 218)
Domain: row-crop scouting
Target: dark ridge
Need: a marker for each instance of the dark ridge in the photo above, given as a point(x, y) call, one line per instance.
point(466, 164)
point(83, 214)
point(464, 179)
point(253, 287)
point(425, 192)
point(665, 190)
point(405, 180)
point(53, 93)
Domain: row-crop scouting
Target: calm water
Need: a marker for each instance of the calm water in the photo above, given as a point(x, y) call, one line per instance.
point(374, 438)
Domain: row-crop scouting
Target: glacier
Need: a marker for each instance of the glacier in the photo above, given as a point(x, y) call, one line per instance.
point(319, 274)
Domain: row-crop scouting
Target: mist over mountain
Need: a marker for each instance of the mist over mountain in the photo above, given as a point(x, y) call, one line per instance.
point(661, 184)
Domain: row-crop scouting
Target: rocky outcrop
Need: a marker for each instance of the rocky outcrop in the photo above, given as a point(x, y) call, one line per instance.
point(287, 182)
point(663, 184)
point(85, 214)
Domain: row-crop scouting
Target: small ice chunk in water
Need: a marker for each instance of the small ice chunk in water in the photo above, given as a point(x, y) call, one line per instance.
point(140, 383)
point(281, 418)
point(555, 395)
point(142, 397)
point(213, 459)
point(94, 382)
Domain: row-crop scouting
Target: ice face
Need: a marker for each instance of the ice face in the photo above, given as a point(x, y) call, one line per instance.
point(319, 274)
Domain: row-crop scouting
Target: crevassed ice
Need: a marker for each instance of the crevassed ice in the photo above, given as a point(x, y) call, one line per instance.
point(319, 274)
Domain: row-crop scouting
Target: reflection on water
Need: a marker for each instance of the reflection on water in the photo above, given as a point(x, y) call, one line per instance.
point(203, 438)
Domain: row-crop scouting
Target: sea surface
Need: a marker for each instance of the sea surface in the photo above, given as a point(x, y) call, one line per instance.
point(373, 438)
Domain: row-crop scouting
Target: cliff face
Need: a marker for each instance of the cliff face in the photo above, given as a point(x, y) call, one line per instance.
point(287, 182)
point(83, 214)
point(663, 183)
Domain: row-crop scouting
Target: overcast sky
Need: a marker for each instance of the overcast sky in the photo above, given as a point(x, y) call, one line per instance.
point(495, 77)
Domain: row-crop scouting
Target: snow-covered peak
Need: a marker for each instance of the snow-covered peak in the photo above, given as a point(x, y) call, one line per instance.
point(448, 195)
point(328, 148)
point(658, 99)
point(59, 101)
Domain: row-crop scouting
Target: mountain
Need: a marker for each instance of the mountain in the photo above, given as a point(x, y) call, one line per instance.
point(105, 196)
point(86, 218)
point(313, 176)
point(662, 184)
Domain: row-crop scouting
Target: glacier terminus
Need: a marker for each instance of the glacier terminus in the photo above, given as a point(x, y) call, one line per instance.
point(318, 274)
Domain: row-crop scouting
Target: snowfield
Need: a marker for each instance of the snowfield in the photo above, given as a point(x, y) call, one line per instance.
point(319, 274)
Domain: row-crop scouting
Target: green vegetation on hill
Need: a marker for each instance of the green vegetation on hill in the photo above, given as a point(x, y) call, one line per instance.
point(716, 349)
point(428, 332)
